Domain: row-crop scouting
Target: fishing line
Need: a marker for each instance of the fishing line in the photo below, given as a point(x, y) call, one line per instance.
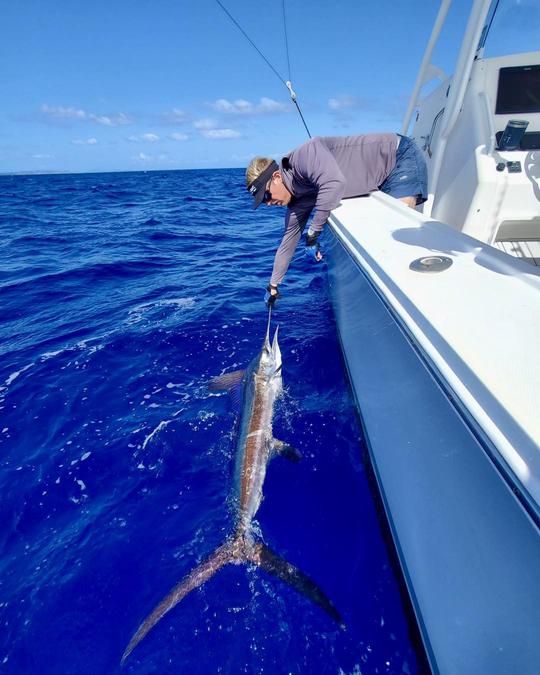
point(286, 40)
point(288, 82)
point(231, 17)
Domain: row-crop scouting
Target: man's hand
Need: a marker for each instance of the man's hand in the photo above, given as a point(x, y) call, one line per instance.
point(271, 295)
point(314, 252)
point(311, 237)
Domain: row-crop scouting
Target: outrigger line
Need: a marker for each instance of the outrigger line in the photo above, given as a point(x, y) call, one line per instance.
point(288, 82)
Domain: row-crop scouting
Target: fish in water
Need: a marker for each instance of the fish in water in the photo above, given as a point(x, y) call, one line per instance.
point(260, 385)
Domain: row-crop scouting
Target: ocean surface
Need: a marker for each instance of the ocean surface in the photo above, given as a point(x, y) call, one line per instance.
point(121, 295)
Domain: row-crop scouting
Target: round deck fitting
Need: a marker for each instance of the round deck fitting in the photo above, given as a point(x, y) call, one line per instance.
point(431, 263)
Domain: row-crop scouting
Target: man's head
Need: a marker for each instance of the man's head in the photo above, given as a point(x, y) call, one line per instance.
point(265, 183)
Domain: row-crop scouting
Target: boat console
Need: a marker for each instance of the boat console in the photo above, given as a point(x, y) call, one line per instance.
point(488, 184)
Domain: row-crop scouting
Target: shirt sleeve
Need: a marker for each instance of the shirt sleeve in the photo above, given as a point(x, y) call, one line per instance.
point(317, 165)
point(295, 221)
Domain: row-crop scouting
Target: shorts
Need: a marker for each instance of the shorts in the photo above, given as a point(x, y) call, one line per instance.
point(409, 176)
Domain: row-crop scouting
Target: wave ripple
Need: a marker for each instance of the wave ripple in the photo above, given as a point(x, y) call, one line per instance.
point(122, 295)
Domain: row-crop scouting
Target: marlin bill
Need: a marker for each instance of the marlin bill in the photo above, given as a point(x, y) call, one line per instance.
point(260, 386)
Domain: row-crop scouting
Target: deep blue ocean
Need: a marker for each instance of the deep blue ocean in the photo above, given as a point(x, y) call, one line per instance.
point(121, 296)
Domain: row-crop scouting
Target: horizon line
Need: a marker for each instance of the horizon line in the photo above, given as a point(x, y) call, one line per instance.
point(61, 172)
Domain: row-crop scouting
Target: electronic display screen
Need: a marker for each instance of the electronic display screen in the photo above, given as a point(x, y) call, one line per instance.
point(519, 90)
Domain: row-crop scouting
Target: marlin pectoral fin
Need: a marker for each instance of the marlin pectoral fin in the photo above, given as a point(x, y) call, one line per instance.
point(286, 450)
point(221, 556)
point(270, 562)
point(226, 381)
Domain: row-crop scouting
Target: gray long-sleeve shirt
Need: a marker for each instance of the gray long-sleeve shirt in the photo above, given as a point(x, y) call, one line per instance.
point(322, 172)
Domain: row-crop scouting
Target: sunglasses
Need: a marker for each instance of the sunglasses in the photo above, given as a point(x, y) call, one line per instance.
point(267, 197)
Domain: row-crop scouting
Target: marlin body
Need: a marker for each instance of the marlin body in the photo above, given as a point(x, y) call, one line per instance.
point(260, 385)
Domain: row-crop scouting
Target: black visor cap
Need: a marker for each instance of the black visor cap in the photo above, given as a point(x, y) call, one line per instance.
point(258, 187)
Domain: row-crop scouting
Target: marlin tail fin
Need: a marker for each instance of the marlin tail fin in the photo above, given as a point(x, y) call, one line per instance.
point(270, 562)
point(220, 557)
point(235, 550)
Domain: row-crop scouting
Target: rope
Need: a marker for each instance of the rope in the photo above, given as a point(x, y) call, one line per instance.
point(287, 83)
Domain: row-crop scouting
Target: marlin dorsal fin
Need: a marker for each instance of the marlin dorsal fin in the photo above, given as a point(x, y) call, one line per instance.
point(226, 381)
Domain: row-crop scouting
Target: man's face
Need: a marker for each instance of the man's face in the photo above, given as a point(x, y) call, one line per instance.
point(280, 196)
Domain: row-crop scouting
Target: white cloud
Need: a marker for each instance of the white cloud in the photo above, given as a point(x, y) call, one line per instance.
point(88, 141)
point(266, 106)
point(345, 103)
point(178, 137)
point(143, 157)
point(237, 107)
point(220, 133)
point(175, 116)
point(146, 138)
point(117, 121)
point(41, 156)
point(62, 113)
point(243, 158)
point(205, 123)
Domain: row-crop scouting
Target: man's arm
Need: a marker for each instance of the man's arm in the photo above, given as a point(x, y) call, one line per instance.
point(295, 221)
point(316, 164)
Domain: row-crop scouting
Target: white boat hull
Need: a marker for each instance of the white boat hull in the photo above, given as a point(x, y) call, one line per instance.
point(467, 539)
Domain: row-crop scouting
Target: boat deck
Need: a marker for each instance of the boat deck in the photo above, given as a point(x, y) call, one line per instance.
point(528, 249)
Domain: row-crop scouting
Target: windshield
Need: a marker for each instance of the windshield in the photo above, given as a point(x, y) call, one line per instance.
point(515, 28)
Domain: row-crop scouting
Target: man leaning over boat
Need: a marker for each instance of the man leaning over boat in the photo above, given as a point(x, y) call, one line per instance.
point(318, 174)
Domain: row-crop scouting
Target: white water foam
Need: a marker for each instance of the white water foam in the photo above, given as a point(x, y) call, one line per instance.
point(151, 435)
point(355, 671)
point(137, 313)
point(16, 374)
point(10, 379)
point(92, 344)
point(49, 355)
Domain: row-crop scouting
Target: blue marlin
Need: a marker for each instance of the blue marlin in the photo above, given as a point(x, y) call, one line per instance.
point(260, 385)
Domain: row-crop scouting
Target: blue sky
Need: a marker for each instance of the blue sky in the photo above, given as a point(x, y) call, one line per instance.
point(130, 85)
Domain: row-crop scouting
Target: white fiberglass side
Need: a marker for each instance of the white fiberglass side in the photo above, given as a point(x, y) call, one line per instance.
point(477, 322)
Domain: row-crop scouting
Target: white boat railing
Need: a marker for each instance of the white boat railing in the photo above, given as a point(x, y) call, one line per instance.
point(469, 47)
point(426, 64)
